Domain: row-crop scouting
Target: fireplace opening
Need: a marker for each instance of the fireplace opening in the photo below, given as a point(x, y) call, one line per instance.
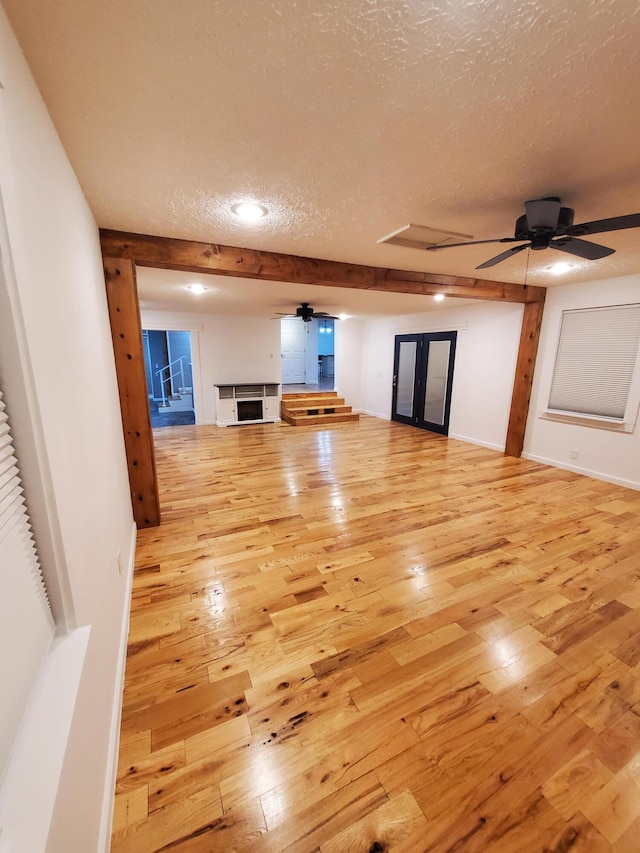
point(249, 410)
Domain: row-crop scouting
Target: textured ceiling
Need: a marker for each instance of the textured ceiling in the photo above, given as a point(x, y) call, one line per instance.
point(348, 119)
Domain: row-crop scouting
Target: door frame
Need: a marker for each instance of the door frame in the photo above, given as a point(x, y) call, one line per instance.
point(196, 371)
point(423, 340)
point(287, 323)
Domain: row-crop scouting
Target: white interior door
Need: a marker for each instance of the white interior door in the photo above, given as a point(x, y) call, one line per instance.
point(293, 350)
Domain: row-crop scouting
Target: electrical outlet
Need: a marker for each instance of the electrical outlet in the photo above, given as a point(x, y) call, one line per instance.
point(119, 558)
point(574, 454)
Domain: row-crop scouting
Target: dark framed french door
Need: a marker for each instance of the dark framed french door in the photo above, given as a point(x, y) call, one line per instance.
point(422, 380)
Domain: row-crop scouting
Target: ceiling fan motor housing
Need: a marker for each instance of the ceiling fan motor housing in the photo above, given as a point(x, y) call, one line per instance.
point(305, 311)
point(544, 219)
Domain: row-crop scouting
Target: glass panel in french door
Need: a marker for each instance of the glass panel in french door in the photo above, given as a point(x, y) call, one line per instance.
point(406, 378)
point(436, 382)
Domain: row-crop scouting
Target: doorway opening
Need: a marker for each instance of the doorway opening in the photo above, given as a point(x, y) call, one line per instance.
point(423, 379)
point(307, 354)
point(168, 367)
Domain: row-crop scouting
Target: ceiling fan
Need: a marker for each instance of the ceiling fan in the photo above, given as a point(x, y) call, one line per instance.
point(548, 225)
point(306, 312)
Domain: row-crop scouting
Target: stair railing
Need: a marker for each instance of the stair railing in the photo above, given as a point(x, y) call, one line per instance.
point(171, 375)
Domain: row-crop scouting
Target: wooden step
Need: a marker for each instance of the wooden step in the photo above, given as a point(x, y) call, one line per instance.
point(314, 409)
point(316, 400)
point(312, 420)
point(302, 394)
point(314, 403)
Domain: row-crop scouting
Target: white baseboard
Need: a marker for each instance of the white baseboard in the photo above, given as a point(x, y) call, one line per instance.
point(374, 414)
point(489, 444)
point(586, 472)
point(116, 713)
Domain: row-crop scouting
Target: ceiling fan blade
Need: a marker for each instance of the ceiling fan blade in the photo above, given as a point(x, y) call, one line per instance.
point(599, 226)
point(581, 248)
point(474, 243)
point(324, 316)
point(502, 257)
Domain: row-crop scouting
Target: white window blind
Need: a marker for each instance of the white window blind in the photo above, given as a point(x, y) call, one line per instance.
point(26, 623)
point(595, 362)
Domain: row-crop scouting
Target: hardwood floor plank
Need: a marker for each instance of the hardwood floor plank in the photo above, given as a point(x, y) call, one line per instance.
point(373, 638)
point(154, 766)
point(130, 807)
point(171, 827)
point(324, 819)
point(576, 782)
point(615, 806)
point(396, 825)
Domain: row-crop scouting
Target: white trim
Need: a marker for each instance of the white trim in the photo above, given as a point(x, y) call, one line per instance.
point(172, 327)
point(196, 366)
point(488, 444)
point(586, 472)
point(588, 421)
point(19, 390)
point(420, 329)
point(34, 770)
point(196, 374)
point(375, 415)
point(104, 839)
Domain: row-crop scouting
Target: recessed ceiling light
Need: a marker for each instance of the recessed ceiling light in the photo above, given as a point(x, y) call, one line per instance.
point(343, 316)
point(559, 268)
point(249, 211)
point(439, 297)
point(196, 288)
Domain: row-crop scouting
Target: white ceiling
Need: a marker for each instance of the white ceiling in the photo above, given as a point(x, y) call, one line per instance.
point(348, 119)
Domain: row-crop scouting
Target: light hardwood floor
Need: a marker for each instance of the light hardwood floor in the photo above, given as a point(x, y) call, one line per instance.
point(370, 638)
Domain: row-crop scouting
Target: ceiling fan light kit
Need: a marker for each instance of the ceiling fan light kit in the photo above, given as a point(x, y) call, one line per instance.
point(547, 225)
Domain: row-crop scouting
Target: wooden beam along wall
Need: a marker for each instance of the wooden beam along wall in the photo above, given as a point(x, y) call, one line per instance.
point(126, 333)
point(122, 251)
point(525, 365)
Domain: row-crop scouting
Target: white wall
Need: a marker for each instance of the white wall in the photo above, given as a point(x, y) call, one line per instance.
point(602, 453)
point(225, 350)
point(348, 362)
point(228, 349)
point(79, 475)
point(486, 351)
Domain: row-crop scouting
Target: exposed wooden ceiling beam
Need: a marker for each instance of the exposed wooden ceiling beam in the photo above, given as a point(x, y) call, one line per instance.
point(123, 251)
point(191, 256)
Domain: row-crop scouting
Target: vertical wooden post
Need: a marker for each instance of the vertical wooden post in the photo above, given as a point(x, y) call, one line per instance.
point(126, 332)
point(529, 339)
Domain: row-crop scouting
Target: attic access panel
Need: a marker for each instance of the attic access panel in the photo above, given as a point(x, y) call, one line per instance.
point(422, 237)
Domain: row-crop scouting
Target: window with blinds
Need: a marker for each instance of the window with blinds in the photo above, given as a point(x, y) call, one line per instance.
point(26, 623)
point(596, 363)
